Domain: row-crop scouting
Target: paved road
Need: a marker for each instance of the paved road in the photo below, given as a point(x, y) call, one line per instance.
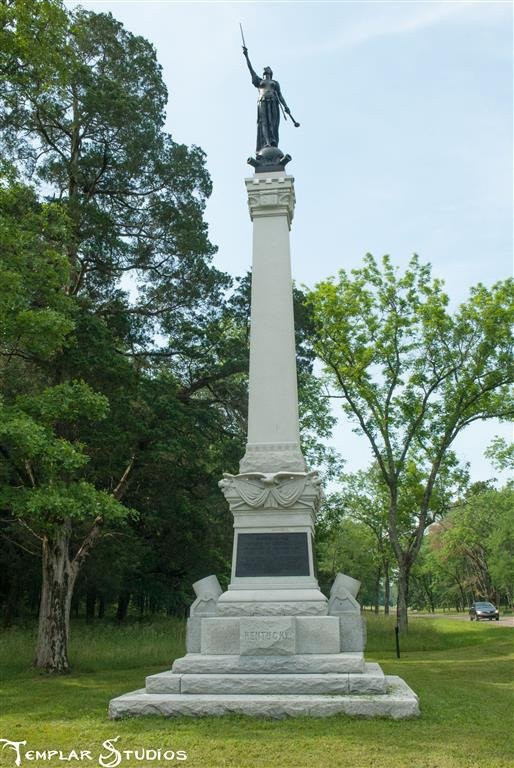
point(505, 621)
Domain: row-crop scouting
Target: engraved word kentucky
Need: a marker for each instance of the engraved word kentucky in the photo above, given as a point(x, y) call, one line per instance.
point(285, 634)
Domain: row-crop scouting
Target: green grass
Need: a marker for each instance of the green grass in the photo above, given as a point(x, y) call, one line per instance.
point(461, 672)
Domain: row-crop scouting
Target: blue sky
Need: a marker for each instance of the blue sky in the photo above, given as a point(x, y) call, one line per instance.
point(405, 142)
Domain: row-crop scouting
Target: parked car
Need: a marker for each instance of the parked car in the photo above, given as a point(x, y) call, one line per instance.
point(483, 610)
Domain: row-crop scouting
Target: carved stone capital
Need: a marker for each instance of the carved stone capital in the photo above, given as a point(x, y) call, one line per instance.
point(269, 196)
point(273, 490)
point(272, 457)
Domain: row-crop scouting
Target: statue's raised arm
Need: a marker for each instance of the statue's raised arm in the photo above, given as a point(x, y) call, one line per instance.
point(256, 80)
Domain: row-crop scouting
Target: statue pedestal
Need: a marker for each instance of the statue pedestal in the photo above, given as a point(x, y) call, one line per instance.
point(273, 561)
point(272, 644)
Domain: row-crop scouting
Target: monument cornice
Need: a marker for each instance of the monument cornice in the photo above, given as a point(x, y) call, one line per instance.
point(271, 196)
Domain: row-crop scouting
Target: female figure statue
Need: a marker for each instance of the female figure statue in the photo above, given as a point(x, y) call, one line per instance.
point(268, 106)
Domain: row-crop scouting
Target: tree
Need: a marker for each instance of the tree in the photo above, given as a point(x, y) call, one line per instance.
point(349, 546)
point(501, 453)
point(43, 488)
point(477, 539)
point(81, 110)
point(437, 580)
point(413, 376)
point(364, 497)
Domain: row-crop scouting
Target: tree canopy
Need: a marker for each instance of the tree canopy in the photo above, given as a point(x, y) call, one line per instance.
point(412, 375)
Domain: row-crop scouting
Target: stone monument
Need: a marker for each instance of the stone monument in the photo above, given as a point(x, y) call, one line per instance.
point(272, 644)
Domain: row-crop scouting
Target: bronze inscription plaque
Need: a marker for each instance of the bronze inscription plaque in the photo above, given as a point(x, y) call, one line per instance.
point(272, 554)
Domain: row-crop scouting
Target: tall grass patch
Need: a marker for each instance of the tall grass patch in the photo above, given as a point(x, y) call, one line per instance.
point(425, 634)
point(101, 646)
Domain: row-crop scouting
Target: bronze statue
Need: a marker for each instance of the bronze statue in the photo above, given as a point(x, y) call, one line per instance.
point(269, 104)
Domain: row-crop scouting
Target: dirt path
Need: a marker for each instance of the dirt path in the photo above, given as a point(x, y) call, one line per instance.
point(505, 621)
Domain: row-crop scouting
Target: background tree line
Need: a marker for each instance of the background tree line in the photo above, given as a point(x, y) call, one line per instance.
point(467, 552)
point(124, 352)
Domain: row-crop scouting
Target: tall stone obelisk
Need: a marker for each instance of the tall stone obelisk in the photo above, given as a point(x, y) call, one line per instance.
point(273, 431)
point(273, 499)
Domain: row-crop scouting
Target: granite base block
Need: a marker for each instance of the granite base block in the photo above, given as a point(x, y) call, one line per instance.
point(352, 632)
point(269, 635)
point(201, 664)
point(317, 634)
point(220, 635)
point(163, 682)
point(371, 681)
point(398, 703)
point(194, 634)
point(265, 684)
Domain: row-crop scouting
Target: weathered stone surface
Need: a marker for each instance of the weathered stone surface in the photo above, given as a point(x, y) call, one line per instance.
point(351, 632)
point(344, 583)
point(317, 634)
point(339, 604)
point(371, 681)
point(208, 587)
point(275, 490)
point(400, 702)
point(199, 663)
point(265, 684)
point(220, 636)
point(298, 608)
point(203, 607)
point(164, 682)
point(193, 634)
point(208, 591)
point(267, 636)
point(273, 395)
point(342, 595)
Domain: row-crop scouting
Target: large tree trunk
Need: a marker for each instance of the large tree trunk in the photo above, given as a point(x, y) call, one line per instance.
point(403, 596)
point(56, 592)
point(59, 576)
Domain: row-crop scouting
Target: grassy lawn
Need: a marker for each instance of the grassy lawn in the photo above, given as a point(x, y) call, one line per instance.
point(461, 672)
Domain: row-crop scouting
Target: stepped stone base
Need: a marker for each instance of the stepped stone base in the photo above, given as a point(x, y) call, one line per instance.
point(399, 702)
point(271, 665)
point(312, 663)
point(372, 680)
